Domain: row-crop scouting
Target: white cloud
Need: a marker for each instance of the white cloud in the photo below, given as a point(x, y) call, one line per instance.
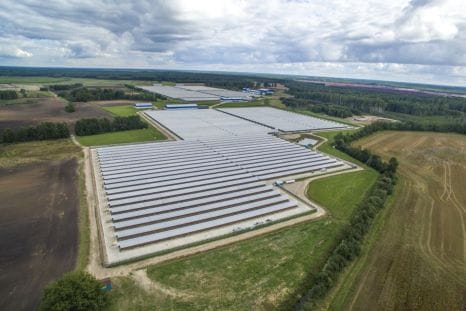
point(275, 35)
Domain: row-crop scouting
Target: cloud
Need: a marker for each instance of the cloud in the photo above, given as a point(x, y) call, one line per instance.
point(13, 52)
point(235, 33)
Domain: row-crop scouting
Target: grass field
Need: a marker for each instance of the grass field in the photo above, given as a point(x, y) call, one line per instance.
point(121, 111)
point(265, 271)
point(148, 134)
point(418, 259)
point(327, 147)
point(123, 137)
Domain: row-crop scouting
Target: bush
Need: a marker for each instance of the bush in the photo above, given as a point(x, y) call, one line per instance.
point(70, 108)
point(8, 94)
point(74, 291)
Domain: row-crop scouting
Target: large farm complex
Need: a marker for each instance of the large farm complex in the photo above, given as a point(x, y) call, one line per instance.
point(189, 191)
point(220, 177)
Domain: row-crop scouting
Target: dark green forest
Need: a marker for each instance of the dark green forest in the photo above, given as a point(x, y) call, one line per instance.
point(344, 102)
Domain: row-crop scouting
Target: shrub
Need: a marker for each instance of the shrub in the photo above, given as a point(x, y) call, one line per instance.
point(74, 291)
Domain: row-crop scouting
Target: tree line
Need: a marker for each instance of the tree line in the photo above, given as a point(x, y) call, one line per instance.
point(8, 94)
point(229, 81)
point(309, 95)
point(51, 130)
point(94, 126)
point(349, 246)
point(43, 131)
point(61, 87)
point(452, 127)
point(85, 94)
point(328, 109)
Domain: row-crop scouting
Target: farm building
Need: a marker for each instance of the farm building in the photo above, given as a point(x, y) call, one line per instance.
point(181, 106)
point(143, 105)
point(217, 179)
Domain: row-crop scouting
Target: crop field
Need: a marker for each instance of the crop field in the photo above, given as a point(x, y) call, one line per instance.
point(418, 260)
point(45, 109)
point(39, 225)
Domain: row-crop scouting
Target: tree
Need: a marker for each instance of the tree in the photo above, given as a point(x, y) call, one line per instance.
point(70, 108)
point(74, 291)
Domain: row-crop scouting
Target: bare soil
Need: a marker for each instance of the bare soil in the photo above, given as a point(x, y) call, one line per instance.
point(38, 229)
point(46, 109)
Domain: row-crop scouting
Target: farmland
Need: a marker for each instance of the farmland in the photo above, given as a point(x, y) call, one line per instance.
point(39, 229)
point(418, 261)
point(50, 109)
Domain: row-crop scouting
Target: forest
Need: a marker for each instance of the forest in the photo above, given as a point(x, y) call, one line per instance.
point(342, 102)
point(225, 80)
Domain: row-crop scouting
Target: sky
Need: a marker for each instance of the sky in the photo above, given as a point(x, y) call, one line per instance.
point(414, 41)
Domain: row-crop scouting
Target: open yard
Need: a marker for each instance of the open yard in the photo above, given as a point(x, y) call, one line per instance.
point(38, 229)
point(262, 273)
point(418, 258)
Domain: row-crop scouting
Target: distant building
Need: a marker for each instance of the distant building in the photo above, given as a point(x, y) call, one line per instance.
point(181, 106)
point(258, 91)
point(143, 106)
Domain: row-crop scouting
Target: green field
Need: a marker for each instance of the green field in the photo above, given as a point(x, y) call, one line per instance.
point(123, 137)
point(327, 147)
point(121, 111)
point(132, 136)
point(265, 271)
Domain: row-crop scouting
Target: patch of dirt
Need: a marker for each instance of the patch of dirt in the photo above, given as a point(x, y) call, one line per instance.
point(38, 229)
point(46, 109)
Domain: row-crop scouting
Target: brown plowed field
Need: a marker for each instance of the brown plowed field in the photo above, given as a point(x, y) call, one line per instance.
point(45, 109)
point(38, 229)
point(419, 260)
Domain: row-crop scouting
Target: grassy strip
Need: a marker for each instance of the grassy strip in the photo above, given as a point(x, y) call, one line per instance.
point(221, 237)
point(337, 298)
point(83, 219)
point(349, 247)
point(328, 148)
point(131, 136)
point(37, 151)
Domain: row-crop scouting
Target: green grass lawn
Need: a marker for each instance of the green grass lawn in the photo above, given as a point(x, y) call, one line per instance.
point(327, 147)
point(123, 137)
point(260, 273)
point(121, 111)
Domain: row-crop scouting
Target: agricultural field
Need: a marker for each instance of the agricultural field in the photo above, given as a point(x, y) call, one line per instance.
point(39, 233)
point(215, 279)
point(50, 109)
point(418, 259)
